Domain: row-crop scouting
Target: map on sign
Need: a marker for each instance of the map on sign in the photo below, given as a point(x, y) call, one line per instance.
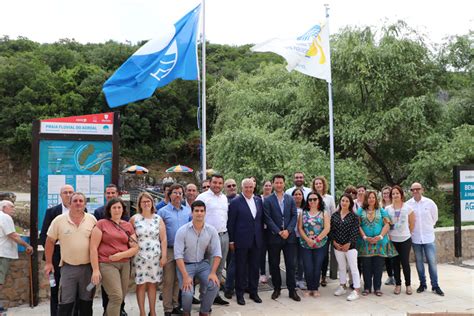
point(86, 165)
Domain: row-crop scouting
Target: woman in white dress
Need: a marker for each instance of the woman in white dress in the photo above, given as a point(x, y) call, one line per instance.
point(150, 259)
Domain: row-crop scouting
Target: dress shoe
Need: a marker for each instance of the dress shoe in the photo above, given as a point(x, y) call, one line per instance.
point(228, 294)
point(255, 298)
point(196, 301)
point(295, 296)
point(186, 314)
point(275, 294)
point(438, 291)
point(421, 289)
point(219, 301)
point(240, 300)
point(166, 314)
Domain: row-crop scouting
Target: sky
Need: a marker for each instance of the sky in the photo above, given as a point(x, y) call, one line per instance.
point(227, 22)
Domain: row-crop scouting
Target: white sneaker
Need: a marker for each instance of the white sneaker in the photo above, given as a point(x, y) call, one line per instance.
point(340, 291)
point(301, 285)
point(263, 279)
point(353, 296)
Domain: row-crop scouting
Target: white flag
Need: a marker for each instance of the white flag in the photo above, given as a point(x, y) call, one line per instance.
point(308, 53)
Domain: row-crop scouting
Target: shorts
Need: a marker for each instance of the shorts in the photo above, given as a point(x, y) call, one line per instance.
point(4, 265)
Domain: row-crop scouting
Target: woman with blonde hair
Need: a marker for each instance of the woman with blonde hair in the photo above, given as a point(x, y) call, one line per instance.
point(152, 254)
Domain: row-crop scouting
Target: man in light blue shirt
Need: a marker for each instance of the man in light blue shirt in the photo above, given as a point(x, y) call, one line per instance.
point(174, 215)
point(190, 245)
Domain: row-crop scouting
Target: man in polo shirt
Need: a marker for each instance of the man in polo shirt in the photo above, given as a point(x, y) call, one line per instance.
point(423, 237)
point(216, 216)
point(73, 231)
point(174, 215)
point(190, 246)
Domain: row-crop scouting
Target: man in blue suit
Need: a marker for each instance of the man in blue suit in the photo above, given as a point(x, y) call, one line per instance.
point(280, 216)
point(245, 227)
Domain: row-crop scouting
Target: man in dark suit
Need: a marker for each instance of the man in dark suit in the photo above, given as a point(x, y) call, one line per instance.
point(51, 213)
point(245, 226)
point(280, 216)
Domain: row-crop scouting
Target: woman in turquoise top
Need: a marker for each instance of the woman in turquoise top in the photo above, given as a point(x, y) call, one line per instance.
point(374, 246)
point(314, 226)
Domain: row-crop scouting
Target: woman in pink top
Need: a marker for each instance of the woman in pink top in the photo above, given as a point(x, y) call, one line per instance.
point(113, 243)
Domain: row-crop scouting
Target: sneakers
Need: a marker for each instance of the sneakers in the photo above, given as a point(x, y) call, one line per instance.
point(390, 281)
point(301, 285)
point(340, 291)
point(263, 279)
point(353, 296)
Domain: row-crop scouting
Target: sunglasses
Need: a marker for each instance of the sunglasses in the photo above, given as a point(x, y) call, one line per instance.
point(232, 185)
point(313, 200)
point(415, 189)
point(206, 186)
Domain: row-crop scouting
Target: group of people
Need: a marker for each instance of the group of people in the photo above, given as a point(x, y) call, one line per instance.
point(189, 238)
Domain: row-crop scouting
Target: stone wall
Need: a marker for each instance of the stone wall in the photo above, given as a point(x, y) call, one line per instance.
point(16, 291)
point(445, 243)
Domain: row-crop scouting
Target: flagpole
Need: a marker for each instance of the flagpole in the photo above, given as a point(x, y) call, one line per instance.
point(203, 116)
point(331, 120)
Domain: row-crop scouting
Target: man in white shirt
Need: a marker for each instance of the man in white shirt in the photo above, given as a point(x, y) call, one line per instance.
point(298, 181)
point(8, 241)
point(423, 237)
point(216, 216)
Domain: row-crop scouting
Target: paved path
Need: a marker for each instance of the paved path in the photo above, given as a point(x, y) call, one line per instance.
point(457, 282)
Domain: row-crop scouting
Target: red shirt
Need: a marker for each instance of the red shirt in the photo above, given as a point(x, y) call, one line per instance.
point(114, 239)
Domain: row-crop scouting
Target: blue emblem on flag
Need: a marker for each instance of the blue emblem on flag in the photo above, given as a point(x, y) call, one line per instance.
point(310, 34)
point(171, 56)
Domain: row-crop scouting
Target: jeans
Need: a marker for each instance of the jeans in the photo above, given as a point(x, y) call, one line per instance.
point(403, 249)
point(299, 261)
point(201, 270)
point(313, 261)
point(372, 271)
point(430, 253)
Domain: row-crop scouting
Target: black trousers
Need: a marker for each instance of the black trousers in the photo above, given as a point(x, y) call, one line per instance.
point(289, 253)
point(402, 259)
point(389, 266)
point(372, 271)
point(246, 269)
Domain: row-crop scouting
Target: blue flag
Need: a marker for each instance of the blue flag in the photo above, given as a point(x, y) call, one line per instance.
point(171, 56)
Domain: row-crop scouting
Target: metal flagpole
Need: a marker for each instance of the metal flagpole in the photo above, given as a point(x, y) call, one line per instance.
point(203, 116)
point(331, 119)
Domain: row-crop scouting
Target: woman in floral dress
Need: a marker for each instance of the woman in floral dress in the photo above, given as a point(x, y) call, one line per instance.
point(374, 246)
point(151, 234)
point(313, 226)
